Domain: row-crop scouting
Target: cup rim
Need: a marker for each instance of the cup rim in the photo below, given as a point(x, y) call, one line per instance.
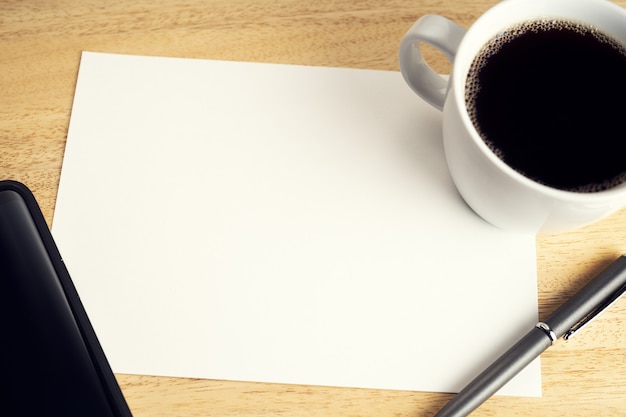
point(459, 74)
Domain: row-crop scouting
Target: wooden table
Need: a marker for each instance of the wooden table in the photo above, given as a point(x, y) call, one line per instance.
point(40, 46)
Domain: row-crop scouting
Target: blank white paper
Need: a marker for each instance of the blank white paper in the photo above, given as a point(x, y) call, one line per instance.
point(276, 223)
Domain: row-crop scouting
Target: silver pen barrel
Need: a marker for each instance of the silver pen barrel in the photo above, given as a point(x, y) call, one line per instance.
point(579, 310)
point(498, 374)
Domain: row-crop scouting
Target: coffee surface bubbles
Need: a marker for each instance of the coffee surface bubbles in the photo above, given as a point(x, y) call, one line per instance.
point(549, 98)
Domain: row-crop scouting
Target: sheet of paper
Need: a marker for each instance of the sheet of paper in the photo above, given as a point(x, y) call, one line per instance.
point(263, 222)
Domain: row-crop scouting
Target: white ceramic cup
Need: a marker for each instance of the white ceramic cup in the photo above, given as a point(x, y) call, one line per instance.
point(495, 191)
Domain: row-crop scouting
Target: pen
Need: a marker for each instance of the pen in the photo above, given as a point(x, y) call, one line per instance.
point(566, 321)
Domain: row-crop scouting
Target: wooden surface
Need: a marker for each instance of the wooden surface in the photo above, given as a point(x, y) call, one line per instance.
point(40, 46)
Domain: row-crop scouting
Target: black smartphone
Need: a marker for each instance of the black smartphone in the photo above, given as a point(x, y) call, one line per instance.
point(52, 362)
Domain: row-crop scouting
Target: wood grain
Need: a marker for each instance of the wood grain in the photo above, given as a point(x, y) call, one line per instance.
point(40, 45)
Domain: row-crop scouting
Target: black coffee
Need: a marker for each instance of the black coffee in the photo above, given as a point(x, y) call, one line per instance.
point(549, 98)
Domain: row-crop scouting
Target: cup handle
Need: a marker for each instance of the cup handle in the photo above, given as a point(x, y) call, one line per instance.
point(444, 35)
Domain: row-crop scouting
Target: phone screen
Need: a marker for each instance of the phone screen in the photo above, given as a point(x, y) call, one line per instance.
point(47, 367)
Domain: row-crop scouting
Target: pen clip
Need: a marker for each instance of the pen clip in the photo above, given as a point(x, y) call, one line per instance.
point(595, 313)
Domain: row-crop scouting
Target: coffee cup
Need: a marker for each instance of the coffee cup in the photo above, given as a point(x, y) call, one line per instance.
point(534, 110)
